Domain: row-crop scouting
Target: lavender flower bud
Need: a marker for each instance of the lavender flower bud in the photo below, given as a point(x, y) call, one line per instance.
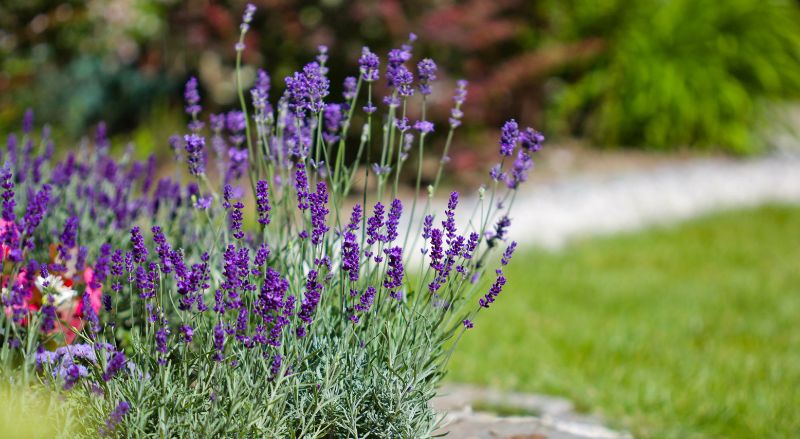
point(137, 242)
point(365, 303)
point(260, 91)
point(27, 121)
point(36, 210)
point(508, 253)
point(307, 89)
point(369, 64)
point(426, 69)
point(192, 97)
point(459, 98)
point(115, 365)
point(395, 272)
point(310, 301)
point(301, 186)
point(114, 419)
point(509, 138)
point(494, 291)
point(8, 195)
point(424, 127)
point(350, 84)
point(219, 342)
point(332, 117)
point(393, 220)
point(236, 218)
point(194, 146)
point(249, 10)
point(262, 202)
point(374, 224)
point(318, 201)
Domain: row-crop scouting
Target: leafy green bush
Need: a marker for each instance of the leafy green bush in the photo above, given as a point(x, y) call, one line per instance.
point(683, 72)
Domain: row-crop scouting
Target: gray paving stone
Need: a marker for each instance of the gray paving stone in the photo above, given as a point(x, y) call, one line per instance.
point(550, 418)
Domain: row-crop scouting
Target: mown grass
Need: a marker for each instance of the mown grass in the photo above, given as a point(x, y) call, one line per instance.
point(691, 331)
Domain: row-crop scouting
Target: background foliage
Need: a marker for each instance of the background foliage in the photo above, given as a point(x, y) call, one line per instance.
point(650, 73)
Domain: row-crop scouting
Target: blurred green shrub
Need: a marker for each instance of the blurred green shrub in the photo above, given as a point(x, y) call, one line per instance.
point(697, 73)
point(659, 74)
point(80, 61)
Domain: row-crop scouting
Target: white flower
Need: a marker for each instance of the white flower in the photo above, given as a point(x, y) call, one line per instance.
point(55, 284)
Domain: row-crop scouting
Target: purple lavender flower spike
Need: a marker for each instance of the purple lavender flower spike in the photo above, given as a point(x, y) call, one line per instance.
point(349, 88)
point(89, 315)
point(365, 303)
point(275, 367)
point(393, 220)
point(310, 301)
point(437, 249)
point(301, 186)
point(236, 124)
point(350, 256)
point(494, 291)
point(242, 323)
point(101, 136)
point(403, 79)
point(137, 242)
point(262, 202)
point(195, 150)
point(401, 124)
point(114, 419)
point(395, 272)
point(426, 70)
point(427, 223)
point(531, 140)
point(424, 127)
point(355, 218)
point(187, 332)
point(260, 91)
point(247, 18)
point(49, 316)
point(519, 170)
point(509, 137)
point(11, 149)
point(468, 324)
point(262, 254)
point(374, 224)
point(27, 121)
point(192, 97)
point(508, 253)
point(449, 225)
point(499, 232)
point(459, 98)
point(163, 249)
point(319, 201)
point(332, 117)
point(369, 64)
point(307, 89)
point(115, 365)
point(219, 342)
point(36, 210)
point(472, 244)
point(369, 108)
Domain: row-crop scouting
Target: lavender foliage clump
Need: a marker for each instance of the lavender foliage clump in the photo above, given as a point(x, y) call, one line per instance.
point(255, 273)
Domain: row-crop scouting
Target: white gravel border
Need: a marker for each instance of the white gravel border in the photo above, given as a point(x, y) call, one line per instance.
point(552, 214)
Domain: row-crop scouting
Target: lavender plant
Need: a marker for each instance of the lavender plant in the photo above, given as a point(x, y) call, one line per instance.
point(330, 317)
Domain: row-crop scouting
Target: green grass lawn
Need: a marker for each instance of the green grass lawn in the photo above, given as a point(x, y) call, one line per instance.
point(684, 332)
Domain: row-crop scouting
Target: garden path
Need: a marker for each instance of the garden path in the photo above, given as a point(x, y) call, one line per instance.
point(551, 213)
